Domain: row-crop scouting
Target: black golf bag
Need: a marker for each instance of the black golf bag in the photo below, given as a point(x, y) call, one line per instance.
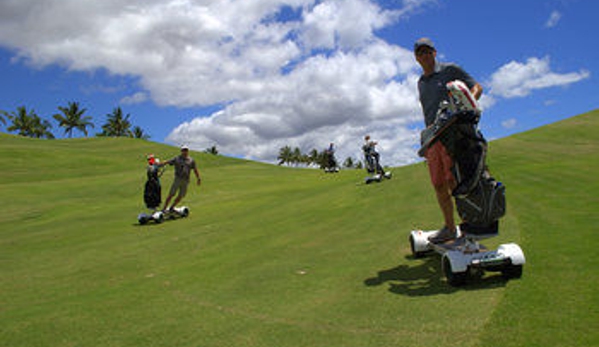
point(152, 189)
point(480, 199)
point(330, 162)
point(371, 160)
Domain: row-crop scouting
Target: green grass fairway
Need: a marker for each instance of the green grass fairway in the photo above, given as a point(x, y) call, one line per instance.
point(276, 257)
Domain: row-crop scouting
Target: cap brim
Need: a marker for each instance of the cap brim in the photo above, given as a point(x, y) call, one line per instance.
point(418, 46)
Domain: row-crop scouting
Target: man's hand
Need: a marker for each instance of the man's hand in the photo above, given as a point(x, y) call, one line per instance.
point(477, 91)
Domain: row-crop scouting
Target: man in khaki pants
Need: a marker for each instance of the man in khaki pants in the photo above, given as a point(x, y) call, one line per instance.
point(184, 164)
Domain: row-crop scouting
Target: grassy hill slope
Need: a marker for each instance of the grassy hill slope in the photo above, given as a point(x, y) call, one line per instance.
point(551, 173)
point(274, 256)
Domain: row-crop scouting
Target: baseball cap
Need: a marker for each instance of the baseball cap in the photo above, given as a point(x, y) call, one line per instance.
point(184, 148)
point(423, 42)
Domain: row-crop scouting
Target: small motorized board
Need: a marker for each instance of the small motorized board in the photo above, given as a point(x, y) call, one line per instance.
point(378, 177)
point(465, 257)
point(177, 212)
point(156, 217)
point(159, 216)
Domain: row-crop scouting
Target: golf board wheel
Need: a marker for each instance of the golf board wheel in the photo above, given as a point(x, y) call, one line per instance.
point(512, 272)
point(455, 279)
point(413, 248)
point(143, 218)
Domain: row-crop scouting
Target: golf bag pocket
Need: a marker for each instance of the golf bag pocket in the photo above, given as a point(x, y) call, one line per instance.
point(484, 204)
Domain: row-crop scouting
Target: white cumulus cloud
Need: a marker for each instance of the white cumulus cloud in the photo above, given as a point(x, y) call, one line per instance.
point(509, 123)
point(290, 72)
point(553, 19)
point(325, 99)
point(516, 79)
point(136, 98)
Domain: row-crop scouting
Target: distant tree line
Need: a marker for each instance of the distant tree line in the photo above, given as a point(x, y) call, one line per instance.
point(26, 122)
point(295, 157)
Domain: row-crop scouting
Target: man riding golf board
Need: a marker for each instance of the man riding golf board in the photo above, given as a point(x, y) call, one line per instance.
point(184, 164)
point(432, 90)
point(372, 162)
point(455, 151)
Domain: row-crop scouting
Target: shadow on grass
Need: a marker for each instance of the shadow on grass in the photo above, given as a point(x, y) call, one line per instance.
point(426, 278)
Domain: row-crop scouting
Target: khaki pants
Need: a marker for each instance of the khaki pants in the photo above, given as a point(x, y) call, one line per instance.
point(180, 185)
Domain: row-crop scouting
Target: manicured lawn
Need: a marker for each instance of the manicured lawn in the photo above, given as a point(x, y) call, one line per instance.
point(275, 256)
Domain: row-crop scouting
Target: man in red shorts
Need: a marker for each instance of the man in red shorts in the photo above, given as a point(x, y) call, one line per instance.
point(432, 91)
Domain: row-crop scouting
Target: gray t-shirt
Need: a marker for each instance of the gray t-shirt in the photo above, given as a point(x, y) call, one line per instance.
point(432, 88)
point(183, 166)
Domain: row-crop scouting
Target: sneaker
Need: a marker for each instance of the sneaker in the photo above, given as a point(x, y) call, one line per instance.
point(443, 235)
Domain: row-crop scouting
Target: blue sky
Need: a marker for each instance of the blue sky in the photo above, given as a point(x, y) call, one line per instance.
point(253, 76)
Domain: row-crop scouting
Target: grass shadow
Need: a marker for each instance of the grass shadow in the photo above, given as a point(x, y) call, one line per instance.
point(426, 279)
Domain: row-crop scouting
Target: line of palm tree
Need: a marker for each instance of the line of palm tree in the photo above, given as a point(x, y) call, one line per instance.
point(28, 123)
point(288, 155)
point(72, 118)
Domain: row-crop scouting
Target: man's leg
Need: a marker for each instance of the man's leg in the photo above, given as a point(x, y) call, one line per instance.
point(439, 163)
point(446, 203)
point(177, 201)
point(182, 193)
point(172, 192)
point(168, 199)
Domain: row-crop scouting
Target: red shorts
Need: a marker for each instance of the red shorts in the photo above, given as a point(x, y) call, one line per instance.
point(439, 164)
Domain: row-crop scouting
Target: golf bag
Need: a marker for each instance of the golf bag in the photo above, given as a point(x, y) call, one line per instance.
point(330, 162)
point(371, 160)
point(152, 188)
point(480, 199)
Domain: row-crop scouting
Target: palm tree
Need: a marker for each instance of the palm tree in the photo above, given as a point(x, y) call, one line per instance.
point(139, 133)
point(321, 159)
point(285, 155)
point(72, 118)
point(21, 121)
point(348, 163)
point(41, 128)
point(28, 123)
point(3, 116)
point(296, 156)
point(305, 159)
point(117, 125)
point(313, 157)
